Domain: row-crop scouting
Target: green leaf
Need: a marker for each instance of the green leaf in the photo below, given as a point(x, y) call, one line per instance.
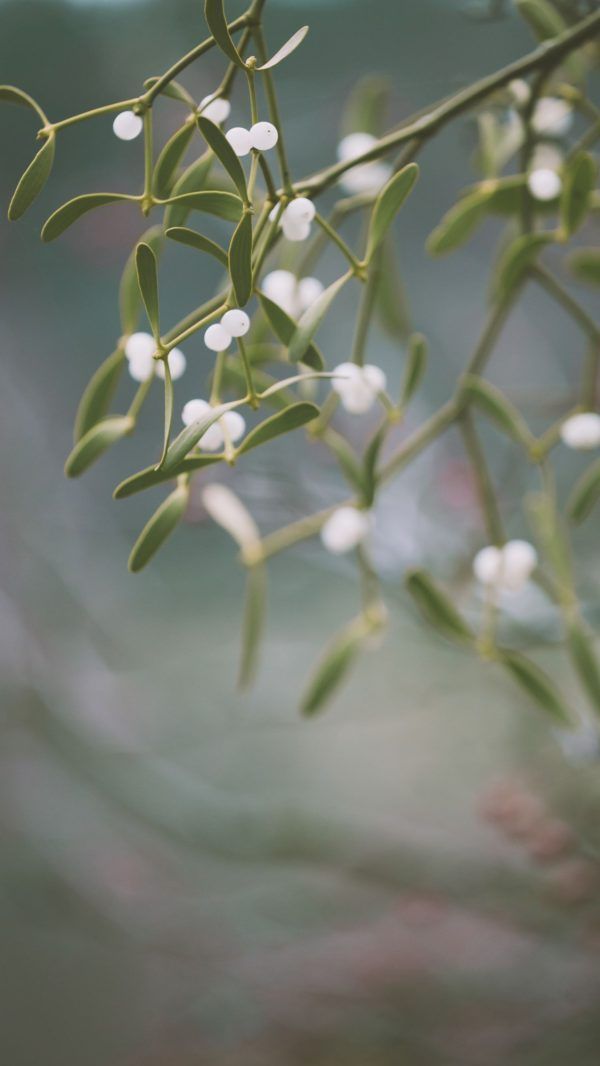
point(332, 668)
point(145, 261)
point(286, 49)
point(33, 180)
point(196, 240)
point(516, 259)
point(66, 215)
point(225, 508)
point(298, 414)
point(388, 203)
point(415, 367)
point(585, 265)
point(457, 225)
point(240, 260)
point(436, 608)
point(189, 437)
point(169, 159)
point(537, 685)
point(284, 327)
point(585, 662)
point(151, 476)
point(158, 528)
point(96, 441)
point(98, 395)
point(347, 458)
point(585, 494)
point(496, 406)
point(390, 297)
point(217, 24)
point(173, 90)
point(9, 94)
point(193, 179)
point(542, 16)
point(254, 622)
point(222, 204)
point(168, 420)
point(217, 141)
point(370, 464)
point(311, 320)
point(579, 182)
point(130, 300)
point(365, 109)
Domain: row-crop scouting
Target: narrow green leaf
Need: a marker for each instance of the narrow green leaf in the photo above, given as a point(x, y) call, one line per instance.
point(9, 94)
point(372, 453)
point(98, 394)
point(457, 225)
point(585, 265)
point(169, 159)
point(145, 261)
point(96, 441)
point(284, 327)
point(286, 49)
point(240, 260)
point(168, 422)
point(312, 318)
point(390, 297)
point(585, 662)
point(228, 511)
point(196, 240)
point(189, 437)
point(130, 300)
point(347, 459)
point(33, 180)
point(193, 179)
point(333, 667)
point(365, 109)
point(579, 182)
point(388, 203)
point(492, 402)
point(542, 16)
point(66, 215)
point(537, 685)
point(150, 476)
point(290, 418)
point(222, 204)
point(217, 141)
point(158, 528)
point(173, 90)
point(436, 608)
point(516, 259)
point(217, 24)
point(254, 622)
point(585, 494)
point(415, 367)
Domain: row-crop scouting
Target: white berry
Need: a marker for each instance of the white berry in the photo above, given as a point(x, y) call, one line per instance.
point(308, 290)
point(552, 117)
point(127, 125)
point(177, 365)
point(141, 366)
point(231, 424)
point(544, 184)
point(300, 210)
point(263, 136)
point(358, 386)
point(355, 144)
point(582, 431)
point(508, 568)
point(215, 108)
point(217, 338)
point(520, 91)
point(194, 411)
point(140, 344)
point(295, 231)
point(280, 287)
point(240, 140)
point(234, 425)
point(345, 530)
point(235, 322)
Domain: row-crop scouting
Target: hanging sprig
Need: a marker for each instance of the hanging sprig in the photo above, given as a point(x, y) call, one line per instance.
point(266, 320)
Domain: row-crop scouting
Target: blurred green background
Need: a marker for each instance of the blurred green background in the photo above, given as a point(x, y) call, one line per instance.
point(193, 876)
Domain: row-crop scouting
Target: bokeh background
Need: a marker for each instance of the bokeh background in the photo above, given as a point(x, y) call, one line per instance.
point(190, 875)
